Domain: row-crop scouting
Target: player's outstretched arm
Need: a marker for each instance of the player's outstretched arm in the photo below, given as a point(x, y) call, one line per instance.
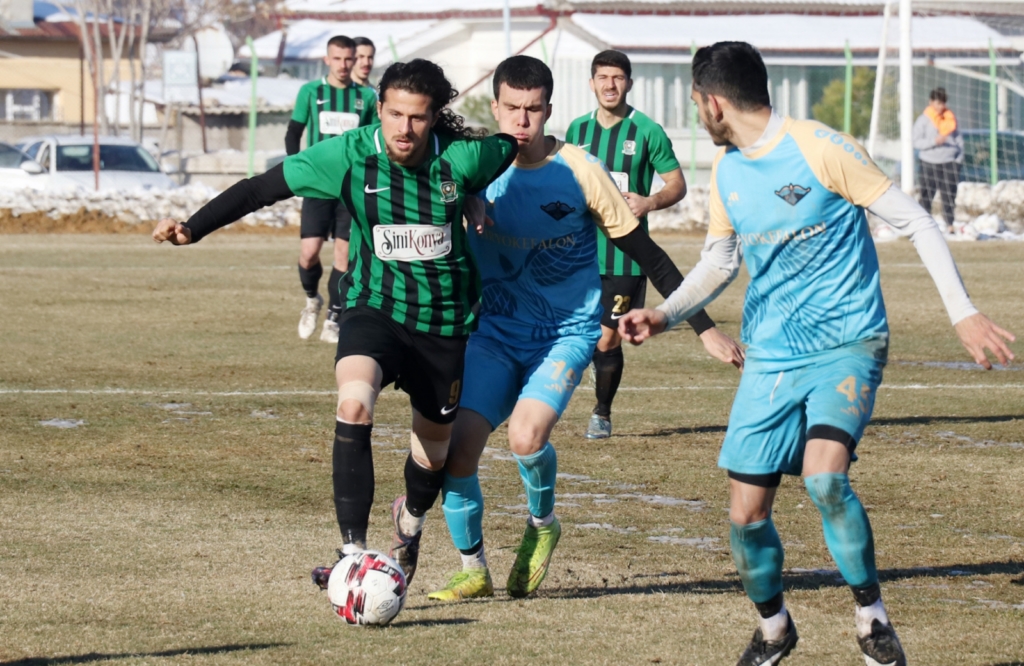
point(978, 333)
point(173, 231)
point(721, 346)
point(638, 325)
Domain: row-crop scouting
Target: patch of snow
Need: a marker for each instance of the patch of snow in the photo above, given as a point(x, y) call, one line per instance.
point(63, 424)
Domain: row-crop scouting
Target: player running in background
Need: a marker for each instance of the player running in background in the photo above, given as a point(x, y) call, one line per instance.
point(326, 108)
point(413, 284)
point(634, 148)
point(792, 194)
point(365, 53)
point(539, 320)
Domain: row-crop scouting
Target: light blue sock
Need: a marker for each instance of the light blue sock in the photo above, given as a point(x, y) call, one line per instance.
point(463, 503)
point(757, 552)
point(538, 471)
point(847, 530)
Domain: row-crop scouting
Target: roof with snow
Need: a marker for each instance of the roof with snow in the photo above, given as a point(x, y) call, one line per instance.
point(307, 39)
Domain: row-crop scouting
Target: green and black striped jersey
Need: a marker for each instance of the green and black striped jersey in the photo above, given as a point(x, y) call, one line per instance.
point(634, 149)
point(408, 255)
point(327, 111)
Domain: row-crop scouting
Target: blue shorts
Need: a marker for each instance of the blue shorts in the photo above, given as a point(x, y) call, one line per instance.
point(774, 414)
point(499, 372)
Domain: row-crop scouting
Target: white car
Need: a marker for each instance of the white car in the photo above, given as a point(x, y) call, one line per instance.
point(66, 162)
point(17, 170)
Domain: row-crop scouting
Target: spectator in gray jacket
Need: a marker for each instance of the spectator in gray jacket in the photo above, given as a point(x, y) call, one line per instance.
point(940, 148)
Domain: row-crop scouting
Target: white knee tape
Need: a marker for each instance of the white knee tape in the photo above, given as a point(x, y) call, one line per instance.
point(434, 451)
point(360, 391)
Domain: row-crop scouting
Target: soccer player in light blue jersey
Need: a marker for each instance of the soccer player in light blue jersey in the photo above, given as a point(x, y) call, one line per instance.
point(789, 196)
point(540, 318)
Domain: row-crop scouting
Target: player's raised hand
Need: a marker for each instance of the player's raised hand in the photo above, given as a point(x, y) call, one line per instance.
point(978, 333)
point(722, 347)
point(171, 230)
point(475, 211)
point(637, 325)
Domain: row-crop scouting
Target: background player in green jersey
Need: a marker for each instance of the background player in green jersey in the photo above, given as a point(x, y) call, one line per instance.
point(326, 108)
point(412, 287)
point(634, 148)
point(365, 53)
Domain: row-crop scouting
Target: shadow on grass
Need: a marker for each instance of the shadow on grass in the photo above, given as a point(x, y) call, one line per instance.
point(926, 420)
point(791, 581)
point(427, 623)
point(668, 432)
point(97, 656)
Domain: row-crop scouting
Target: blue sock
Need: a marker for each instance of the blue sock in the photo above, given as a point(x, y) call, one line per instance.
point(847, 530)
point(757, 552)
point(463, 503)
point(538, 472)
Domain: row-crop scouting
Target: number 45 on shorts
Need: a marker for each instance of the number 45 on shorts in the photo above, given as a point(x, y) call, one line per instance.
point(860, 399)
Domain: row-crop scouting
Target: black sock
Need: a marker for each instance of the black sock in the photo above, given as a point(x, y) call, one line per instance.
point(474, 550)
point(353, 480)
point(310, 278)
point(771, 607)
point(867, 595)
point(608, 368)
point(335, 304)
point(422, 486)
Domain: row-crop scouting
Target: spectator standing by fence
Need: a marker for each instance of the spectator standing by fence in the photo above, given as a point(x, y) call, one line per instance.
point(940, 148)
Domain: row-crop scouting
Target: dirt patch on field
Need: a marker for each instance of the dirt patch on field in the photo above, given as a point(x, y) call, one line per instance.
point(95, 222)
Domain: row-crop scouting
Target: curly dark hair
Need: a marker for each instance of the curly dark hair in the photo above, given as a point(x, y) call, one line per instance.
point(422, 77)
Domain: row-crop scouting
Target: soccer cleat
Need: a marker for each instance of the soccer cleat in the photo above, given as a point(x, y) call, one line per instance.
point(466, 584)
point(309, 316)
point(532, 558)
point(321, 575)
point(600, 427)
point(329, 333)
point(881, 647)
point(761, 651)
point(405, 550)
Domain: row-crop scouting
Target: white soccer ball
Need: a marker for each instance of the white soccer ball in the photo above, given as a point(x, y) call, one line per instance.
point(367, 588)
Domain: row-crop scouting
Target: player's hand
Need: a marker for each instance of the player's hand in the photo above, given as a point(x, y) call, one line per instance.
point(637, 325)
point(640, 205)
point(722, 347)
point(171, 230)
point(475, 212)
point(978, 333)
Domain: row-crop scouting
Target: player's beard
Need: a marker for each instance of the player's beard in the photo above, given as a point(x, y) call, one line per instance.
point(720, 133)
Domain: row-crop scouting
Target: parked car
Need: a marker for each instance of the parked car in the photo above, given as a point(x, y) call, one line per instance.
point(16, 168)
point(977, 167)
point(66, 162)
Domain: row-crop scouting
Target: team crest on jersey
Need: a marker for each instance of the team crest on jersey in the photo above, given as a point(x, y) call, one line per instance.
point(629, 147)
point(557, 209)
point(792, 194)
point(359, 103)
point(449, 193)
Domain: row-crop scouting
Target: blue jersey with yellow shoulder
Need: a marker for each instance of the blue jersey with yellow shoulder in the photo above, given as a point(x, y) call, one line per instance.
point(797, 207)
point(538, 263)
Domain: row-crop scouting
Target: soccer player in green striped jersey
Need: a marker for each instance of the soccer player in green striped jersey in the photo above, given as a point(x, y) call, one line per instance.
point(365, 53)
point(326, 108)
point(412, 287)
point(634, 148)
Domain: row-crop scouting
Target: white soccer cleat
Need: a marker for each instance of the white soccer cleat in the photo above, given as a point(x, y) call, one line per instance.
point(309, 316)
point(329, 333)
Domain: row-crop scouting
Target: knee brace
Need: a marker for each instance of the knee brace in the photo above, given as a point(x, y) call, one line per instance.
point(359, 391)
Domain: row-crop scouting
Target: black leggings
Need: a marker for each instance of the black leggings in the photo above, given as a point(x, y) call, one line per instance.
point(941, 178)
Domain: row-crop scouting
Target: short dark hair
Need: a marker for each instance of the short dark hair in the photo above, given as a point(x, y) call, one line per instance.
point(939, 94)
point(612, 58)
point(364, 41)
point(733, 70)
point(523, 73)
point(342, 42)
point(422, 77)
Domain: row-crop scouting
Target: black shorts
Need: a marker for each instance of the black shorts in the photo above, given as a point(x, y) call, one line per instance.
point(325, 218)
point(619, 295)
point(427, 367)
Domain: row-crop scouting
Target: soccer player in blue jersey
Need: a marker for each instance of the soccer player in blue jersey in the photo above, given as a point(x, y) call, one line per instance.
point(539, 321)
point(791, 195)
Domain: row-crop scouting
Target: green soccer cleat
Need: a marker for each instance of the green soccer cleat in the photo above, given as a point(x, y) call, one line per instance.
point(467, 584)
point(532, 558)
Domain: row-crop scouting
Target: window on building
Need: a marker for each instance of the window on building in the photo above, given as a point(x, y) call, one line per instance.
point(26, 104)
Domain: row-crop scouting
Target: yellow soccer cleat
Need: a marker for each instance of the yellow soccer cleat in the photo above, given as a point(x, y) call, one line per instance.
point(467, 584)
point(533, 558)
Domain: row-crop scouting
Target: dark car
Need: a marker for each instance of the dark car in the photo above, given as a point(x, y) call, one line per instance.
point(977, 166)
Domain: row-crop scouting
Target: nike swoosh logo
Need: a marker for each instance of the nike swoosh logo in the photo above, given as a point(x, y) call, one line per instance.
point(321, 101)
point(445, 411)
point(584, 145)
point(379, 189)
point(617, 316)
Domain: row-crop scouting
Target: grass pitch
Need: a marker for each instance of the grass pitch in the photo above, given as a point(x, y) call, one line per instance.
point(179, 520)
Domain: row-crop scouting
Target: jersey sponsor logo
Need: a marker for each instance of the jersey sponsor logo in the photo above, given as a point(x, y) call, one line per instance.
point(527, 243)
point(621, 180)
point(337, 122)
point(780, 236)
point(411, 242)
point(374, 191)
point(629, 147)
point(557, 209)
point(449, 192)
point(792, 194)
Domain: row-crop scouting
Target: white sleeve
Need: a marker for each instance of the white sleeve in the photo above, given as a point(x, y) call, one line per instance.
point(905, 215)
point(718, 266)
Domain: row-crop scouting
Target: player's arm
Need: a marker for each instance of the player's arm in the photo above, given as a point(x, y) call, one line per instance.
point(976, 331)
point(297, 124)
point(663, 159)
point(478, 162)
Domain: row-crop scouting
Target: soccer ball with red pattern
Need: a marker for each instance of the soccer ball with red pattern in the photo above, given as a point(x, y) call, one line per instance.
point(367, 587)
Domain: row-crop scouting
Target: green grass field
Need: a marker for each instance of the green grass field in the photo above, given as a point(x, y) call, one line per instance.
point(179, 521)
